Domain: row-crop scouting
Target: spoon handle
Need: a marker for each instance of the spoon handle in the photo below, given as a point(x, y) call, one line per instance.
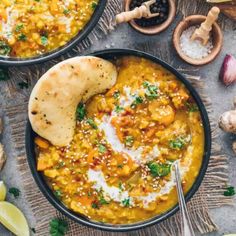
point(187, 229)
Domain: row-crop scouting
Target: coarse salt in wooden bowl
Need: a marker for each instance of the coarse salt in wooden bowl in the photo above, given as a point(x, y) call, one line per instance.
point(157, 28)
point(216, 34)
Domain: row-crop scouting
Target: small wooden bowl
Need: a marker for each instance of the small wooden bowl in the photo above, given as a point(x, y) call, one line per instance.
point(217, 39)
point(157, 28)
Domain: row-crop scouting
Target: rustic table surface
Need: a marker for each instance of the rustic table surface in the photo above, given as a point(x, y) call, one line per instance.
point(125, 37)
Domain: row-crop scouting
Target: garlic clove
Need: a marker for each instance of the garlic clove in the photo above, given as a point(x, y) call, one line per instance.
point(228, 70)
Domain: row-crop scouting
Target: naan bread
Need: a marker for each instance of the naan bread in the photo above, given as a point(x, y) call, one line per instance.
point(55, 97)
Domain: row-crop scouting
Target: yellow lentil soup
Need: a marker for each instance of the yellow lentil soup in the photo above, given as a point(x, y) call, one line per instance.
point(118, 168)
point(34, 27)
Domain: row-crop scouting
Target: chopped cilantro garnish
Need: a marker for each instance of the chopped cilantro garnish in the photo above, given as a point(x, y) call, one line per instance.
point(151, 90)
point(126, 202)
point(14, 191)
point(66, 11)
point(94, 5)
point(118, 109)
point(192, 107)
point(116, 95)
point(23, 85)
point(5, 49)
point(230, 191)
point(58, 227)
point(94, 205)
point(138, 100)
point(19, 27)
point(44, 40)
point(120, 186)
point(60, 164)
point(89, 194)
point(37, 0)
point(120, 166)
point(129, 140)
point(157, 169)
point(102, 148)
point(80, 111)
point(91, 122)
point(178, 143)
point(22, 37)
point(103, 201)
point(58, 194)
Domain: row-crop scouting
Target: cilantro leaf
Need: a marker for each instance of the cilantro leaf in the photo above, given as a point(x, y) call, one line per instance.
point(230, 191)
point(192, 107)
point(116, 95)
point(91, 122)
point(119, 109)
point(129, 140)
point(94, 205)
point(138, 100)
point(14, 191)
point(22, 37)
point(94, 5)
point(151, 90)
point(19, 27)
point(58, 227)
point(178, 143)
point(58, 194)
point(126, 202)
point(102, 148)
point(5, 49)
point(159, 170)
point(44, 40)
point(80, 112)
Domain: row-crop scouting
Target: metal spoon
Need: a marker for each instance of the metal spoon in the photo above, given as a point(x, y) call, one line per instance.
point(186, 225)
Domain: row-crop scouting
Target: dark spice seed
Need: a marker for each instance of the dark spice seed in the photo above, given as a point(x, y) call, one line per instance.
point(160, 6)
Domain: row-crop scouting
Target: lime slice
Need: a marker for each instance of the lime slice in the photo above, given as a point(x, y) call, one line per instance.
point(3, 191)
point(229, 234)
point(13, 219)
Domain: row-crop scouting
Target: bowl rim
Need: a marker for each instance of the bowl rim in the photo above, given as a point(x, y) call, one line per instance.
point(44, 188)
point(17, 61)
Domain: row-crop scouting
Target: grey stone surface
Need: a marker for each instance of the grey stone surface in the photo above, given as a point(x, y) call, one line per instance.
point(125, 37)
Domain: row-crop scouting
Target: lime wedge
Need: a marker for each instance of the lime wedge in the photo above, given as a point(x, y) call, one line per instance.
point(3, 191)
point(13, 219)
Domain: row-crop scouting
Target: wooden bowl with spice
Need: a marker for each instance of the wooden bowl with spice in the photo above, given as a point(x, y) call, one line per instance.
point(192, 51)
point(154, 25)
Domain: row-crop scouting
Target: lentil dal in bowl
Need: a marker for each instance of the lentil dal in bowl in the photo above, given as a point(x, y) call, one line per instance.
point(33, 31)
point(117, 172)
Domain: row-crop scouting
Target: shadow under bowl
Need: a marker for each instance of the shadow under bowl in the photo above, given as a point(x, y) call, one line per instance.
point(216, 34)
point(48, 193)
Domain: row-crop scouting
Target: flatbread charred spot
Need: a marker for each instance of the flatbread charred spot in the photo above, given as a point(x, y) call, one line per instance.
point(60, 90)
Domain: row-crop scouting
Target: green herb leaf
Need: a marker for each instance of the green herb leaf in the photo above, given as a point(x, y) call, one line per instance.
point(94, 5)
point(5, 49)
point(151, 90)
point(120, 166)
point(138, 100)
point(19, 27)
point(60, 164)
point(4, 74)
point(192, 107)
point(126, 202)
point(116, 95)
point(94, 205)
point(58, 227)
point(44, 40)
point(159, 170)
point(80, 112)
point(66, 11)
point(118, 109)
point(178, 143)
point(22, 37)
point(58, 194)
point(230, 191)
point(14, 191)
point(91, 122)
point(103, 201)
point(101, 148)
point(120, 186)
point(129, 141)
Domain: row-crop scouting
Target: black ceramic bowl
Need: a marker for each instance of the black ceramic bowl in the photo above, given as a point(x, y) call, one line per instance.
point(15, 61)
point(30, 149)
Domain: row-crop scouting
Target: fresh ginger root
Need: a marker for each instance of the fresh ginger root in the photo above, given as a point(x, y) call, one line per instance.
point(227, 120)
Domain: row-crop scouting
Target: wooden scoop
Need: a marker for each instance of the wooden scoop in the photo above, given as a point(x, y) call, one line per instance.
point(137, 13)
point(203, 33)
